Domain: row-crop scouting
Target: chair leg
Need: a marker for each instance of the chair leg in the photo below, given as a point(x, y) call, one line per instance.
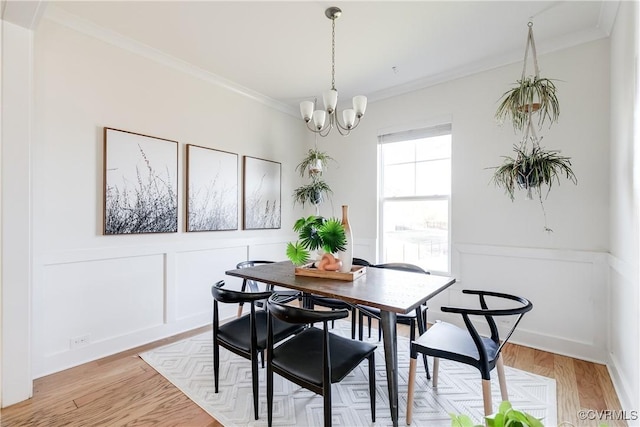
point(436, 365)
point(269, 394)
point(486, 396)
point(353, 323)
point(239, 314)
point(422, 328)
point(216, 365)
point(262, 358)
point(254, 381)
point(372, 385)
point(327, 407)
point(412, 384)
point(369, 325)
point(360, 321)
point(501, 378)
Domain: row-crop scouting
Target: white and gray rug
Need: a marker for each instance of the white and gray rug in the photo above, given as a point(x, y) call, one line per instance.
point(188, 364)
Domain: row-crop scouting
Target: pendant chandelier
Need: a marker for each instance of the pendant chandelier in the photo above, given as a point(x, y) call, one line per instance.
point(317, 120)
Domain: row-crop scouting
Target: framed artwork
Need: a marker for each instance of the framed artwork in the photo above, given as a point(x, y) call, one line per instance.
point(212, 189)
point(140, 183)
point(261, 194)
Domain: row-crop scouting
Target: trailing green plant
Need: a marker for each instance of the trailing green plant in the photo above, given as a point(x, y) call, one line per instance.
point(505, 417)
point(316, 232)
point(317, 190)
point(532, 169)
point(529, 95)
point(313, 193)
point(308, 165)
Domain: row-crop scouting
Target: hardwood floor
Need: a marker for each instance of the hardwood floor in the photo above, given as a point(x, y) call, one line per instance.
point(122, 390)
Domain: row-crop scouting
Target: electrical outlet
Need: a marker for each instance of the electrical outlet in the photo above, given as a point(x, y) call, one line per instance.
point(80, 341)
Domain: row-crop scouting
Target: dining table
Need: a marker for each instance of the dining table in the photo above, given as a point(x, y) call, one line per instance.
point(392, 291)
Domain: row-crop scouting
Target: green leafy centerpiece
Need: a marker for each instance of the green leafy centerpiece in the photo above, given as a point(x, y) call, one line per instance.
point(316, 233)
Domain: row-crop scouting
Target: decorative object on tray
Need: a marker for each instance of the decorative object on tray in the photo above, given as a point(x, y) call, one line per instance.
point(533, 166)
point(140, 183)
point(314, 233)
point(346, 256)
point(351, 275)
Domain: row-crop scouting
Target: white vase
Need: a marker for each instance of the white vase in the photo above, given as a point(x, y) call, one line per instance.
point(346, 256)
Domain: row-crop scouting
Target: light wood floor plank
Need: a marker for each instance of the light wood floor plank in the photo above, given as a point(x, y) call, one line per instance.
point(122, 390)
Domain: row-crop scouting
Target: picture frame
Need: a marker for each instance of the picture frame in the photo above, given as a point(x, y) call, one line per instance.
point(140, 179)
point(212, 189)
point(261, 194)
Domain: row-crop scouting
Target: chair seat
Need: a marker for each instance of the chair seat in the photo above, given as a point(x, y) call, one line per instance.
point(346, 354)
point(451, 342)
point(236, 332)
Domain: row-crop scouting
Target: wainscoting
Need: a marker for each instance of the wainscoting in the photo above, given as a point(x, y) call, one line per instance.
point(119, 298)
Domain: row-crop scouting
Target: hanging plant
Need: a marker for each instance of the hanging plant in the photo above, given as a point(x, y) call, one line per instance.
point(314, 163)
point(313, 193)
point(533, 94)
point(532, 170)
point(532, 167)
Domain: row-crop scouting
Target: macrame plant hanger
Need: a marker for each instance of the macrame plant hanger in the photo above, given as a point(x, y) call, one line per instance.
point(529, 130)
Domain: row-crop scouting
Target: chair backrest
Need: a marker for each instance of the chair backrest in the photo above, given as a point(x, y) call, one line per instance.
point(360, 261)
point(229, 296)
point(524, 307)
point(291, 314)
point(402, 266)
point(251, 284)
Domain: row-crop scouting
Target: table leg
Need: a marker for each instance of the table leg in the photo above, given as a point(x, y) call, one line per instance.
point(389, 333)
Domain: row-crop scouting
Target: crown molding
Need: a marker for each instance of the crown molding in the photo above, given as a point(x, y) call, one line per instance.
point(26, 14)
point(607, 18)
point(86, 27)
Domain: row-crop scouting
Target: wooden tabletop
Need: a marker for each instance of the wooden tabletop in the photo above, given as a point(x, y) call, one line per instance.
point(383, 288)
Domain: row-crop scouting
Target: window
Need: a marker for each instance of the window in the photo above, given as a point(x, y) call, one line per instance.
point(415, 197)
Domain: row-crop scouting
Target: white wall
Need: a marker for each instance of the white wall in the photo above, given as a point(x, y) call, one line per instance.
point(123, 291)
point(499, 244)
point(17, 91)
point(624, 321)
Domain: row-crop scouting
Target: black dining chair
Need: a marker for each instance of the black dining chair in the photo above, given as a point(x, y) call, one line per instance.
point(338, 304)
point(245, 336)
point(252, 285)
point(314, 358)
point(417, 318)
point(465, 345)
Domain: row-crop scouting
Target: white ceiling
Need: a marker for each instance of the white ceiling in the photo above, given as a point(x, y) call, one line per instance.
point(282, 50)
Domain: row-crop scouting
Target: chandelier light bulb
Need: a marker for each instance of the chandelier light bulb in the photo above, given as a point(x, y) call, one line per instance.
point(306, 109)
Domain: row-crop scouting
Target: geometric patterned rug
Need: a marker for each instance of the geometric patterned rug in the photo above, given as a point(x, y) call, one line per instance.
point(188, 364)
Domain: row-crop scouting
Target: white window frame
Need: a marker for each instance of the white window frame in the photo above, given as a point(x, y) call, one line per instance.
point(406, 135)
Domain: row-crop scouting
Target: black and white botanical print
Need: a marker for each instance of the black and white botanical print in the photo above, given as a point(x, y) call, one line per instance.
point(212, 187)
point(261, 193)
point(140, 183)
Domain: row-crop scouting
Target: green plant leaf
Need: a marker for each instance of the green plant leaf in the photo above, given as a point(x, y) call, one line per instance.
point(504, 407)
point(333, 236)
point(297, 253)
point(461, 420)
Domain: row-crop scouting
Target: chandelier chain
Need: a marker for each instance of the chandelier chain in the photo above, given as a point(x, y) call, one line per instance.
point(333, 53)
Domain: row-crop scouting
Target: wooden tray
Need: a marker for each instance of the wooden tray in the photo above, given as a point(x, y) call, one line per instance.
point(356, 271)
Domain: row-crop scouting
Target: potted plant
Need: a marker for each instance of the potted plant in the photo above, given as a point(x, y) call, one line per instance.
point(314, 163)
point(313, 193)
point(532, 169)
point(312, 166)
point(530, 95)
point(316, 232)
point(506, 416)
